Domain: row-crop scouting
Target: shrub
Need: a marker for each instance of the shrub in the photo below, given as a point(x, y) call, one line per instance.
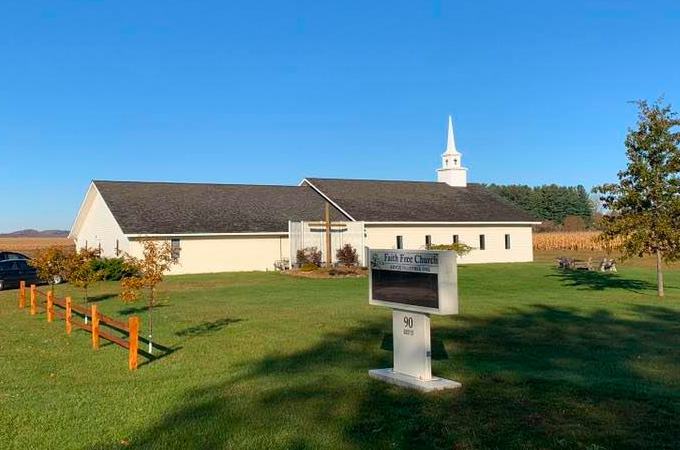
point(309, 267)
point(113, 269)
point(347, 255)
point(458, 247)
point(309, 255)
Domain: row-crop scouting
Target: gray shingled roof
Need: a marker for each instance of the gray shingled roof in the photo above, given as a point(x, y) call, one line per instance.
point(173, 208)
point(418, 201)
point(193, 208)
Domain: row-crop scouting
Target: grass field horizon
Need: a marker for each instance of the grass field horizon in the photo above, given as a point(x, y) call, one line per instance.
point(548, 359)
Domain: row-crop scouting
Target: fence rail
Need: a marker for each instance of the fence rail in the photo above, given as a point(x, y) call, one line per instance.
point(63, 308)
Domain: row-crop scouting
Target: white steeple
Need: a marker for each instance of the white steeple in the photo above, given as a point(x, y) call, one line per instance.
point(451, 172)
point(450, 140)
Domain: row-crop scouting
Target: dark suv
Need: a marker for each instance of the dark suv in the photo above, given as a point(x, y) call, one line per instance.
point(12, 271)
point(12, 255)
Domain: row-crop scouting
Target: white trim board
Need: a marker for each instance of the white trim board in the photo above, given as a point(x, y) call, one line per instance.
point(305, 180)
point(451, 223)
point(171, 235)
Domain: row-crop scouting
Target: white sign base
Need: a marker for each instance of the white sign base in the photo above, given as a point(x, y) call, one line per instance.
point(392, 377)
point(412, 354)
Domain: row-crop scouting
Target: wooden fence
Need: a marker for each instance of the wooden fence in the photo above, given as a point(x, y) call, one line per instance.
point(65, 309)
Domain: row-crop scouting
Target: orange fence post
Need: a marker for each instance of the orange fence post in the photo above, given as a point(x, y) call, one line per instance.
point(95, 327)
point(22, 294)
point(34, 307)
point(133, 327)
point(50, 307)
point(69, 326)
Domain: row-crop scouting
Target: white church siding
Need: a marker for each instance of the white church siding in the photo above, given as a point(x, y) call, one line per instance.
point(95, 226)
point(225, 253)
point(521, 249)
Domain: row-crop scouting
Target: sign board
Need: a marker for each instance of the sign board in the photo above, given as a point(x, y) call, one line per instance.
point(423, 281)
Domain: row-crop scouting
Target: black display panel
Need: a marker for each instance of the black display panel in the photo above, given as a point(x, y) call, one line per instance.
point(407, 288)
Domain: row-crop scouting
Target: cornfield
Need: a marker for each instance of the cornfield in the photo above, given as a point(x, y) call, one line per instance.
point(574, 240)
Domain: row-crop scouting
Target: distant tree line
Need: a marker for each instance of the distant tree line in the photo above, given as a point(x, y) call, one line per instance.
point(567, 207)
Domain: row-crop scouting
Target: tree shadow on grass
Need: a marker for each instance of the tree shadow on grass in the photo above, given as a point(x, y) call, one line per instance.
point(100, 297)
point(139, 309)
point(436, 346)
point(539, 377)
point(207, 327)
point(160, 351)
point(598, 281)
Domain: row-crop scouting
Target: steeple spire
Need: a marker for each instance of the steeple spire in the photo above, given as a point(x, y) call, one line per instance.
point(450, 140)
point(452, 172)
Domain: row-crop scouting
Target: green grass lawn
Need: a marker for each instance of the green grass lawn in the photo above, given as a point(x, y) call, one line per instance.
point(265, 361)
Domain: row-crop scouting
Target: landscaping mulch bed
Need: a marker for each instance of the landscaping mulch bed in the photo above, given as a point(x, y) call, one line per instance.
point(335, 272)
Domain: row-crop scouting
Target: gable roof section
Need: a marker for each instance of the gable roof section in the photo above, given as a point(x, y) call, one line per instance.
point(417, 201)
point(196, 208)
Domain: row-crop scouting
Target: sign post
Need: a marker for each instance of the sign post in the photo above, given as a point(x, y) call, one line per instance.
point(415, 284)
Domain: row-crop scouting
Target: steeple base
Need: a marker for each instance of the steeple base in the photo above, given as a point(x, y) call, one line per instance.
point(453, 177)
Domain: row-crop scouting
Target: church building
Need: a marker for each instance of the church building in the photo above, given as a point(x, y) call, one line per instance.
point(236, 227)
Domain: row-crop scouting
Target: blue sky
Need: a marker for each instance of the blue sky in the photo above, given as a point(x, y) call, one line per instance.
point(271, 92)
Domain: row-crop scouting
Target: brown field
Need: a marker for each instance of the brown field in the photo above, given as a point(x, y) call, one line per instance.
point(29, 245)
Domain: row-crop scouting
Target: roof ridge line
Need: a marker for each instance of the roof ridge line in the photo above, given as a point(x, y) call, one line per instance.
point(194, 183)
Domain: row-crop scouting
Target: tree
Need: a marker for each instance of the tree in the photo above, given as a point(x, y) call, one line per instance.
point(148, 273)
point(644, 206)
point(50, 264)
point(80, 270)
point(549, 202)
point(574, 223)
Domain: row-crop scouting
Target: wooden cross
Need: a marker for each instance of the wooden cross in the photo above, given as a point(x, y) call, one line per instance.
point(328, 225)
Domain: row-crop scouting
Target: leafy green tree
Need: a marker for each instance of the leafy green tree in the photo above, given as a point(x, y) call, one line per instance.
point(644, 205)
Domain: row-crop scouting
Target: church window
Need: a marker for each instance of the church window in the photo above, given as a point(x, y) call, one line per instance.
point(175, 248)
point(400, 242)
point(428, 240)
point(455, 238)
point(482, 242)
point(507, 242)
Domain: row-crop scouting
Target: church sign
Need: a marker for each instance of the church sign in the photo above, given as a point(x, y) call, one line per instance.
point(415, 284)
point(414, 280)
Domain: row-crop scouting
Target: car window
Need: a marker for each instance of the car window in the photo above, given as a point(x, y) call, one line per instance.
point(3, 266)
point(23, 265)
point(14, 265)
point(14, 256)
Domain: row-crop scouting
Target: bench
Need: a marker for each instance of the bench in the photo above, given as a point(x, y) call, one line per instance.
point(282, 264)
point(605, 265)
